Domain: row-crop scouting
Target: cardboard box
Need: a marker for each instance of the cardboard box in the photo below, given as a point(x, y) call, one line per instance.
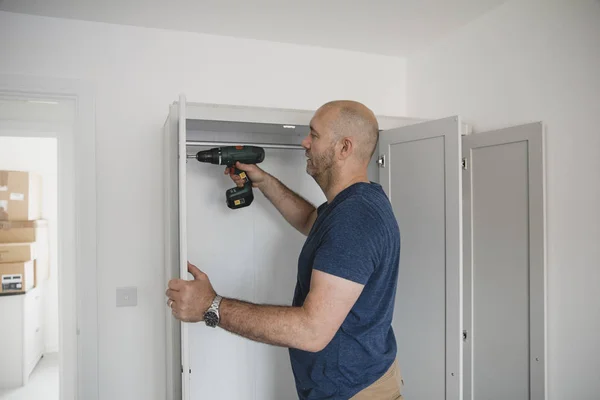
point(23, 231)
point(15, 232)
point(17, 252)
point(17, 277)
point(20, 196)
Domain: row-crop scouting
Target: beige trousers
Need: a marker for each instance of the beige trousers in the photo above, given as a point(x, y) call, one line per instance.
point(388, 387)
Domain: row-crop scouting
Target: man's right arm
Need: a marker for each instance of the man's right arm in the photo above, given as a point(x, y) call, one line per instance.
point(294, 208)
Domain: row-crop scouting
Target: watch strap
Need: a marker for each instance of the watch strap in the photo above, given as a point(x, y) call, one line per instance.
point(215, 303)
point(213, 317)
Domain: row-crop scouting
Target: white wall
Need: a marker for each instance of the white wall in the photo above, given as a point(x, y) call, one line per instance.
point(528, 61)
point(40, 155)
point(137, 72)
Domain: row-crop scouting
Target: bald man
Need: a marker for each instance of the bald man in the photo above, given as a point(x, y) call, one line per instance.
point(338, 328)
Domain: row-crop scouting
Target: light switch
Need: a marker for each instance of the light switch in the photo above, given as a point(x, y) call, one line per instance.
point(127, 297)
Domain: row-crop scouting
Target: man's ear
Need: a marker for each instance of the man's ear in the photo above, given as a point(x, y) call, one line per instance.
point(346, 147)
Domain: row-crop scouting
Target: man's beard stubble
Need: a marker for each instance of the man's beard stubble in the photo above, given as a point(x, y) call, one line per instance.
point(323, 168)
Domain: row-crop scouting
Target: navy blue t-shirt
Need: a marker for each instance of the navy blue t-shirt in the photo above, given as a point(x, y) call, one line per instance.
point(356, 237)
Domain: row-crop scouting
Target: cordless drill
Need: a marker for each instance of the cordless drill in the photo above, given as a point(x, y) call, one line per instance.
point(236, 197)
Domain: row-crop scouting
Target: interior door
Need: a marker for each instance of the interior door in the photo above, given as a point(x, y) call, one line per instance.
point(178, 368)
point(504, 264)
point(421, 175)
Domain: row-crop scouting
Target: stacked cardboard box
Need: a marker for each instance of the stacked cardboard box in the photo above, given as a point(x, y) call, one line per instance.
point(23, 234)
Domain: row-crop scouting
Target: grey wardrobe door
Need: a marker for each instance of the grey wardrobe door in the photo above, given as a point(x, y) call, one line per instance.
point(421, 176)
point(504, 264)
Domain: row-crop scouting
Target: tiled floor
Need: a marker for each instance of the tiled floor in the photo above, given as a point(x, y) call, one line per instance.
point(42, 385)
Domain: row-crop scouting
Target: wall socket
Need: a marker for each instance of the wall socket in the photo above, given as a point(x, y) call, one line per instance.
point(127, 297)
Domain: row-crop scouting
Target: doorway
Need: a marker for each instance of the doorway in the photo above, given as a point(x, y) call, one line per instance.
point(30, 368)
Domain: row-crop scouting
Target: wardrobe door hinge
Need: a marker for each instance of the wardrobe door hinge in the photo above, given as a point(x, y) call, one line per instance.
point(189, 370)
point(381, 161)
point(465, 164)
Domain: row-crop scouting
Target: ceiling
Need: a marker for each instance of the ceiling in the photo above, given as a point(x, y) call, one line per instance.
point(389, 27)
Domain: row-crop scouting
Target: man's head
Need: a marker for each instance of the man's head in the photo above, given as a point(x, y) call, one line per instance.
point(342, 139)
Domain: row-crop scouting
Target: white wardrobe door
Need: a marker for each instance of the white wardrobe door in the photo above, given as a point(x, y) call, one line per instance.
point(183, 238)
point(421, 176)
point(177, 368)
point(250, 254)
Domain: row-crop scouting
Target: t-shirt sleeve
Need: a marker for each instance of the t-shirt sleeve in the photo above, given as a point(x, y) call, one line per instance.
point(349, 248)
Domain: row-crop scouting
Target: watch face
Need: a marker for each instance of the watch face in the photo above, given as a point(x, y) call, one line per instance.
point(211, 318)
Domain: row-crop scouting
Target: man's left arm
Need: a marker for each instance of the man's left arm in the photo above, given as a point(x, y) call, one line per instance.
point(342, 266)
point(309, 327)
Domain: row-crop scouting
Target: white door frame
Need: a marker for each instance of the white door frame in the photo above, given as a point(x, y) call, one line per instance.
point(77, 283)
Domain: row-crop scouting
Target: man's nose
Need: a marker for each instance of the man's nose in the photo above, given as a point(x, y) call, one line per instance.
point(306, 143)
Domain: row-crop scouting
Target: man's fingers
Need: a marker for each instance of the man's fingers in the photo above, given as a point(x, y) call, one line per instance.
point(192, 269)
point(238, 165)
point(236, 178)
point(173, 294)
point(243, 167)
point(176, 284)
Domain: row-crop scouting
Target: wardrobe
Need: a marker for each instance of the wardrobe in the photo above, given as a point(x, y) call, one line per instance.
point(469, 314)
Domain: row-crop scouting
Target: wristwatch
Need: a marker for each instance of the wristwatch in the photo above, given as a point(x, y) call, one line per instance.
point(211, 316)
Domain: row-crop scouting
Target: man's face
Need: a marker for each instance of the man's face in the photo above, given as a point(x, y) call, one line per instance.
point(319, 145)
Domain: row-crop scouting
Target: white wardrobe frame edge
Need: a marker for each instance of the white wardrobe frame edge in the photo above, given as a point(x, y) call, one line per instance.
point(267, 115)
point(236, 113)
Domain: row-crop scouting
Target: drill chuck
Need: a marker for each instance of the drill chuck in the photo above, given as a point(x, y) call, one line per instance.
point(212, 156)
